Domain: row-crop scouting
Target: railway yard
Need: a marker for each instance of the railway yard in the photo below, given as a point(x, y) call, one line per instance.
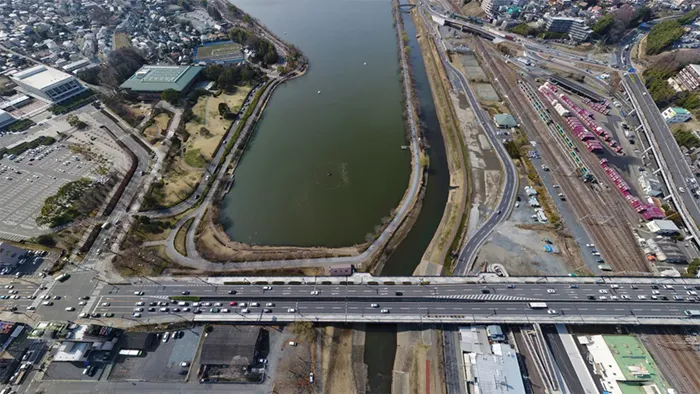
point(597, 205)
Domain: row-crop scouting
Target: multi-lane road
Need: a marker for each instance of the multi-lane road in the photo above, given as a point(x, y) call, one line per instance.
point(586, 302)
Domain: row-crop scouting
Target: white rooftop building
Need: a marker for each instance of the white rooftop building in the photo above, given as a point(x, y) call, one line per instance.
point(48, 84)
point(663, 227)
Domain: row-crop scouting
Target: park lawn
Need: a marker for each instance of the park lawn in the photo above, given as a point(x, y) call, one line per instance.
point(158, 128)
point(180, 181)
point(216, 124)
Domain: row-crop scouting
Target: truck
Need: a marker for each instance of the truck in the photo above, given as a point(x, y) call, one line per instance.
point(537, 305)
point(692, 313)
point(106, 225)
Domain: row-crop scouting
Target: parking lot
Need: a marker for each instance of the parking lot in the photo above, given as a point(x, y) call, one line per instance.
point(163, 364)
point(28, 179)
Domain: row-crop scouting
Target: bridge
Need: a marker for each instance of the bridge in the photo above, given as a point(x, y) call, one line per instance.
point(406, 7)
point(384, 300)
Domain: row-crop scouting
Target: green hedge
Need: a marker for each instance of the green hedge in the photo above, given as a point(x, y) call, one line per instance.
point(23, 147)
point(75, 102)
point(186, 298)
point(20, 125)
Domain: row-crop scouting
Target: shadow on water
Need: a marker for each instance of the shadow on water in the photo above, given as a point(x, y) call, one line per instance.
point(380, 341)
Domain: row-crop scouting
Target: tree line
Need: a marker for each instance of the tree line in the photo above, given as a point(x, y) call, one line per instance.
point(613, 25)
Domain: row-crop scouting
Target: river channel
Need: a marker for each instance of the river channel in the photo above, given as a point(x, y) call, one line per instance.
point(323, 169)
point(353, 30)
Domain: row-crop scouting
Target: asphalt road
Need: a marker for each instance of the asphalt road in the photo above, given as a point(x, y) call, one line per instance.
point(510, 183)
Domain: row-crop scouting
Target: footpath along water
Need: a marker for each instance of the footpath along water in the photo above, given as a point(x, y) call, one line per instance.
point(323, 169)
point(380, 341)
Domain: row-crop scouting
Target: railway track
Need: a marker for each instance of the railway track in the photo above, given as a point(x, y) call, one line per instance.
point(614, 238)
point(676, 359)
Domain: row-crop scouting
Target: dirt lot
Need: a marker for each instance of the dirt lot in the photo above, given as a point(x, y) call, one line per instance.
point(121, 40)
point(295, 364)
point(415, 369)
point(336, 361)
point(207, 116)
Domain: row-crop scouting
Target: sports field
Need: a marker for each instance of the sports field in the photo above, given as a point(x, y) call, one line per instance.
point(225, 51)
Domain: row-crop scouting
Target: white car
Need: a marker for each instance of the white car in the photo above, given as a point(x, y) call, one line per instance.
point(614, 286)
point(384, 311)
point(255, 304)
point(552, 311)
point(225, 310)
point(625, 297)
point(70, 309)
point(83, 315)
point(246, 310)
point(315, 292)
point(166, 336)
point(267, 288)
point(140, 303)
point(603, 291)
point(270, 304)
point(82, 303)
point(680, 189)
point(105, 304)
point(136, 314)
point(291, 310)
point(642, 297)
point(551, 291)
point(139, 293)
point(374, 305)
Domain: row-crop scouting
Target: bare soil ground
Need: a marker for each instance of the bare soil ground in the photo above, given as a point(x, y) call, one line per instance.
point(207, 116)
point(121, 40)
point(417, 364)
point(214, 244)
point(473, 8)
point(293, 368)
point(140, 110)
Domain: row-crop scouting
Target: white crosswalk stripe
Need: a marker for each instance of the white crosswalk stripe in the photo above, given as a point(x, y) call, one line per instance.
point(490, 297)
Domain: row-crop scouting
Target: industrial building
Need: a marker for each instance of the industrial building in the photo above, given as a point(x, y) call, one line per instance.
point(687, 79)
point(341, 270)
point(574, 27)
point(490, 366)
point(676, 115)
point(47, 84)
point(6, 119)
point(623, 365)
point(10, 255)
point(151, 81)
point(663, 227)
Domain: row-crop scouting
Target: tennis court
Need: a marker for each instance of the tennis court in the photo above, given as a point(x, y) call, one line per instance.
point(218, 52)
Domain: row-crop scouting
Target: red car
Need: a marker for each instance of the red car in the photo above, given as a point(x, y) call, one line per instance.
point(233, 303)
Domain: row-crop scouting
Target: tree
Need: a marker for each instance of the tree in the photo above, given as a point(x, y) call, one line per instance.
point(223, 109)
point(120, 65)
point(74, 121)
point(238, 35)
point(214, 13)
point(692, 270)
point(513, 150)
point(170, 95)
point(204, 132)
point(46, 240)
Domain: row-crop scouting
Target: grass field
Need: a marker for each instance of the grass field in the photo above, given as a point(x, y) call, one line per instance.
point(222, 51)
point(180, 181)
point(207, 115)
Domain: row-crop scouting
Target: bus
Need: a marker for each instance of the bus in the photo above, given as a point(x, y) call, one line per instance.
point(537, 305)
point(692, 313)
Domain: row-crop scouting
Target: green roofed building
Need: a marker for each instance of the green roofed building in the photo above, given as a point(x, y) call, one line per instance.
point(504, 121)
point(153, 80)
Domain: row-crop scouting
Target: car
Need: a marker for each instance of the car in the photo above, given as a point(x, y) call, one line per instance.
point(291, 343)
point(384, 311)
point(243, 304)
point(225, 310)
point(176, 309)
point(311, 377)
point(669, 287)
point(233, 303)
point(654, 297)
point(83, 315)
point(681, 189)
point(153, 303)
point(151, 309)
point(166, 336)
point(603, 291)
point(254, 304)
point(82, 303)
point(267, 310)
point(31, 308)
point(642, 297)
point(185, 292)
point(691, 292)
point(184, 364)
point(85, 297)
point(136, 314)
point(208, 304)
point(70, 309)
point(165, 309)
point(625, 297)
point(218, 304)
point(185, 309)
point(179, 334)
point(138, 309)
point(10, 287)
point(139, 293)
point(614, 286)
point(214, 310)
point(614, 297)
point(262, 361)
point(270, 304)
point(232, 292)
point(678, 298)
point(654, 286)
point(374, 306)
point(140, 303)
point(603, 298)
point(267, 287)
point(291, 310)
point(590, 245)
point(245, 310)
point(633, 287)
point(552, 311)
point(573, 286)
point(163, 303)
point(551, 291)
point(511, 286)
point(14, 292)
point(109, 314)
point(95, 315)
point(315, 292)
point(399, 293)
point(655, 292)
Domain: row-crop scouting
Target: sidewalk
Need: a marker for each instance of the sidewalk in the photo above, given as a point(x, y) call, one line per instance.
point(577, 360)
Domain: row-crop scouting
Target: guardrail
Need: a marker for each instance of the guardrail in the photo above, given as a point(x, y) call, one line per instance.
point(660, 161)
point(440, 319)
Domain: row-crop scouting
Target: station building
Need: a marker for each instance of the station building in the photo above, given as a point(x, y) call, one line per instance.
point(47, 84)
